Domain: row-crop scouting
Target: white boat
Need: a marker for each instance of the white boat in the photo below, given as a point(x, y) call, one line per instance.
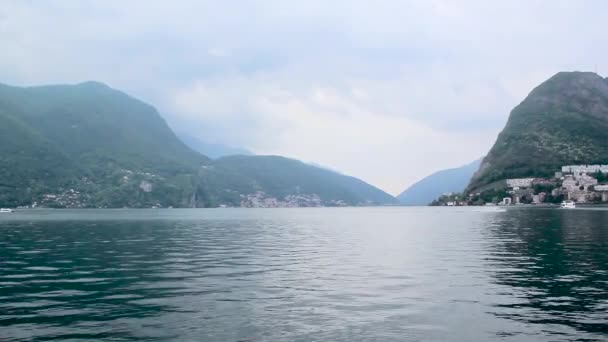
point(568, 205)
point(6, 210)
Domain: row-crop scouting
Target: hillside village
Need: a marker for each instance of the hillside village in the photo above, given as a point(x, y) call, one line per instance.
point(261, 200)
point(578, 183)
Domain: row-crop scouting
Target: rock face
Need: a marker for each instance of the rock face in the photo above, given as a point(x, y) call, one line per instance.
point(145, 186)
point(562, 121)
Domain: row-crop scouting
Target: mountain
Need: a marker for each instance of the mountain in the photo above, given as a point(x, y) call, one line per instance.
point(88, 145)
point(562, 121)
point(431, 187)
point(279, 177)
point(211, 150)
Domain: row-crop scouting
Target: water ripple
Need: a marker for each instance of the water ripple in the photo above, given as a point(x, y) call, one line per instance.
point(386, 274)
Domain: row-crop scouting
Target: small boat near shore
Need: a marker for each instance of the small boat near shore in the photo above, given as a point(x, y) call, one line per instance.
point(6, 210)
point(568, 205)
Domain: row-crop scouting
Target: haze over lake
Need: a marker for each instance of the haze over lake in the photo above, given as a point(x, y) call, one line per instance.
point(318, 274)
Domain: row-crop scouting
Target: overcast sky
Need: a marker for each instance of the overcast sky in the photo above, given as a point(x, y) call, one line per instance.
point(387, 91)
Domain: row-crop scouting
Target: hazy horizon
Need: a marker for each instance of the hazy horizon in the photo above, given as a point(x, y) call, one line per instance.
point(388, 92)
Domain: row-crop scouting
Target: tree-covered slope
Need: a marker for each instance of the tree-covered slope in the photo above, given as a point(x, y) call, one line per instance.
point(278, 177)
point(431, 187)
point(89, 145)
point(91, 139)
point(562, 121)
point(28, 159)
point(91, 120)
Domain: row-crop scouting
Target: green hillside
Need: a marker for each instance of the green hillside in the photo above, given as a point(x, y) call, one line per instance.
point(89, 145)
point(279, 177)
point(563, 121)
point(91, 121)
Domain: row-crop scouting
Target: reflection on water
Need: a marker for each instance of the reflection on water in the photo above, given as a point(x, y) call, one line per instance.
point(389, 274)
point(555, 264)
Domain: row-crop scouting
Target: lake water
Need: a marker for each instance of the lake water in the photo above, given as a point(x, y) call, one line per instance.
point(326, 274)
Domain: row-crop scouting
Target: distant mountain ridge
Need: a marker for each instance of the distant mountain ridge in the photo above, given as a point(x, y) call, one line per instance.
point(279, 177)
point(431, 187)
point(211, 150)
point(88, 145)
point(562, 121)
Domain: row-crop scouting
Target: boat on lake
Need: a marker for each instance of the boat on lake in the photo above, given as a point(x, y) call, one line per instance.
point(6, 210)
point(568, 205)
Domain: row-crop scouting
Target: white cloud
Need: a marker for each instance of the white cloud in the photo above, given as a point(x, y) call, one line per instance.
point(342, 128)
point(388, 91)
point(218, 52)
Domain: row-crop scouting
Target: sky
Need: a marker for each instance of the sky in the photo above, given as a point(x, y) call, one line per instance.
point(386, 91)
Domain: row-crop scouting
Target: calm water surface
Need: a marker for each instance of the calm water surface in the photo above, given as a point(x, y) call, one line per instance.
point(356, 274)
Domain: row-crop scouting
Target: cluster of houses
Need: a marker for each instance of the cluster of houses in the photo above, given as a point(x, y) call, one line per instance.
point(578, 183)
point(69, 198)
point(260, 199)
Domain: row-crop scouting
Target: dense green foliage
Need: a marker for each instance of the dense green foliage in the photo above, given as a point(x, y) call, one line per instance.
point(88, 145)
point(444, 199)
point(93, 139)
point(279, 177)
point(601, 177)
point(488, 196)
point(563, 121)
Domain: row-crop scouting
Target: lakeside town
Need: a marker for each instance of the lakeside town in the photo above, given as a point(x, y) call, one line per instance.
point(261, 200)
point(577, 183)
